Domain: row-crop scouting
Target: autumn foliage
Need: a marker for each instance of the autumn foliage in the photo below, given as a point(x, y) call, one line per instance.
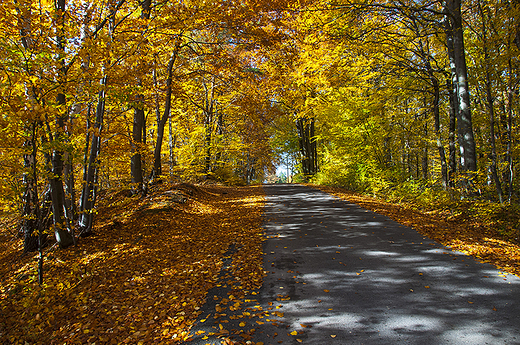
point(412, 101)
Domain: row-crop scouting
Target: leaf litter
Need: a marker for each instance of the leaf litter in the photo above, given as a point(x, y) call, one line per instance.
point(144, 275)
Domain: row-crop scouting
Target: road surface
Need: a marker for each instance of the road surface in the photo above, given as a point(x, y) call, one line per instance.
point(340, 274)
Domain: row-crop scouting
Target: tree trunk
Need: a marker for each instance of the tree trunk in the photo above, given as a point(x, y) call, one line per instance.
point(88, 196)
point(508, 135)
point(62, 228)
point(425, 159)
point(138, 128)
point(30, 217)
point(436, 117)
point(491, 108)
point(172, 140)
point(208, 113)
point(308, 147)
point(437, 124)
point(451, 136)
point(468, 159)
point(137, 140)
point(157, 164)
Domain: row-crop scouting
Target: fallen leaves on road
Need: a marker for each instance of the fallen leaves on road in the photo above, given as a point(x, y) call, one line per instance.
point(143, 276)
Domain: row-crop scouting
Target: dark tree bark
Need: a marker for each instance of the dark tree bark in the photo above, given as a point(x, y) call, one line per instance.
point(157, 163)
point(136, 166)
point(208, 111)
point(30, 218)
point(138, 128)
point(308, 147)
point(62, 229)
point(425, 161)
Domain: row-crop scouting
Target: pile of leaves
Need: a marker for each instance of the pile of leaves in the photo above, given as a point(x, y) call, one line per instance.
point(143, 276)
point(479, 237)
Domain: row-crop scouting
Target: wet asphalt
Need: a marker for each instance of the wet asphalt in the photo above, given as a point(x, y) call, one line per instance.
point(339, 274)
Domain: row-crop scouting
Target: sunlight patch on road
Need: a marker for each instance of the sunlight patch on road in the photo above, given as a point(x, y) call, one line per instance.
point(379, 253)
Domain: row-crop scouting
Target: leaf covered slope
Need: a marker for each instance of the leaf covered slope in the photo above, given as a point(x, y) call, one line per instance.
point(144, 275)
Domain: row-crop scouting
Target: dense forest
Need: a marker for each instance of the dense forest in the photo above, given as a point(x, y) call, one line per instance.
point(395, 98)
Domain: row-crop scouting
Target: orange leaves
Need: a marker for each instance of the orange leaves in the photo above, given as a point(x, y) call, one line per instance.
point(145, 279)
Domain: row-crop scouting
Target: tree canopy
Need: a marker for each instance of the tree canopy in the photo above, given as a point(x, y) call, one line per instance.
point(417, 97)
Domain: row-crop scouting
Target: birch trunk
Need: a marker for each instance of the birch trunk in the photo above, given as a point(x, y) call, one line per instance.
point(468, 158)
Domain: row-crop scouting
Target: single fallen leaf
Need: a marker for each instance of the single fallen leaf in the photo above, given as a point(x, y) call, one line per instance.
point(294, 333)
point(333, 335)
point(427, 286)
point(326, 290)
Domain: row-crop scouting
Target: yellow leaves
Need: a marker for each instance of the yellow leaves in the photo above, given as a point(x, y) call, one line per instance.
point(294, 333)
point(149, 295)
point(279, 314)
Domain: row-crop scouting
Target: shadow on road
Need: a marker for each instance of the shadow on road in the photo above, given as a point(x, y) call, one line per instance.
point(340, 274)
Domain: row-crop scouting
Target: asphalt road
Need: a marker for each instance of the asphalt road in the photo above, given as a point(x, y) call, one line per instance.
point(341, 274)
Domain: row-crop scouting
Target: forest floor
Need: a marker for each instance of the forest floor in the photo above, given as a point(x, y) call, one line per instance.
point(144, 275)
